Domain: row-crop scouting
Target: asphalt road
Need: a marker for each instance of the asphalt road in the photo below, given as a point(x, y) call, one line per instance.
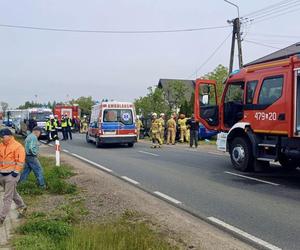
point(267, 207)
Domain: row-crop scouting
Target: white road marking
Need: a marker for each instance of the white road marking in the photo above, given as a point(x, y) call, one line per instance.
point(67, 151)
point(251, 178)
point(244, 234)
point(51, 145)
point(167, 197)
point(93, 163)
point(148, 153)
point(130, 180)
point(43, 141)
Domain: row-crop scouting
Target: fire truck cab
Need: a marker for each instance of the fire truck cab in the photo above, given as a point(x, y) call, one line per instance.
point(258, 114)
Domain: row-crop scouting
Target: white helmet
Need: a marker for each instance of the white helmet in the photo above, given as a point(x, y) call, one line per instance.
point(154, 114)
point(162, 114)
point(51, 116)
point(137, 117)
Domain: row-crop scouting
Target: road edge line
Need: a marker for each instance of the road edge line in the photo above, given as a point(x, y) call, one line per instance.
point(236, 230)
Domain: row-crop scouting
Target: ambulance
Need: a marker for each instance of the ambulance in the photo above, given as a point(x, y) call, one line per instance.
point(112, 123)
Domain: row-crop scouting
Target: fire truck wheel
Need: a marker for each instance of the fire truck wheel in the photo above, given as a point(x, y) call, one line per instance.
point(130, 144)
point(288, 164)
point(241, 154)
point(98, 143)
point(87, 138)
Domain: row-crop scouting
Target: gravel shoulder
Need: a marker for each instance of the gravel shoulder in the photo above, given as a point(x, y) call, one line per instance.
point(107, 197)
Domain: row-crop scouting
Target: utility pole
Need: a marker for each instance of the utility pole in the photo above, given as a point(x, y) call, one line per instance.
point(236, 35)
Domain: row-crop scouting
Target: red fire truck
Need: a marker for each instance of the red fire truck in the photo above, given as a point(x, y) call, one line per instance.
point(70, 110)
point(258, 114)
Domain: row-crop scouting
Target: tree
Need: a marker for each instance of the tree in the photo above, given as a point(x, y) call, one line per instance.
point(175, 94)
point(154, 101)
point(84, 103)
point(4, 106)
point(32, 104)
point(219, 74)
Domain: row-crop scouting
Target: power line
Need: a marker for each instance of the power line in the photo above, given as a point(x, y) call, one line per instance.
point(211, 55)
point(270, 8)
point(273, 35)
point(274, 16)
point(261, 44)
point(112, 31)
point(277, 11)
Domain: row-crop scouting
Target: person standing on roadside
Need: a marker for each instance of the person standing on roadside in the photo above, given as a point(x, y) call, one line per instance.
point(64, 124)
point(51, 128)
point(31, 124)
point(12, 158)
point(171, 124)
point(139, 126)
point(32, 163)
point(162, 128)
point(194, 131)
point(69, 127)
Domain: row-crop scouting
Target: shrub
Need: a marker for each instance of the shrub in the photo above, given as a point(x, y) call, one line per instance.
point(55, 230)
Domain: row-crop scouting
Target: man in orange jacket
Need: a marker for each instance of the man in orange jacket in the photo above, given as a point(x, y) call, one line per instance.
point(12, 158)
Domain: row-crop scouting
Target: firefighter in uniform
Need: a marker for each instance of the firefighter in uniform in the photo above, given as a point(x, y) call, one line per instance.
point(171, 125)
point(162, 128)
point(51, 128)
point(155, 131)
point(139, 125)
point(83, 125)
point(183, 128)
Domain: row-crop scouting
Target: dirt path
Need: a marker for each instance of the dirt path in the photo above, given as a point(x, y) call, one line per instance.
point(107, 197)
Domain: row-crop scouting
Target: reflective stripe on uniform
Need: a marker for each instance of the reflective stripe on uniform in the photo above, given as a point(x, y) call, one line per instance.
point(11, 163)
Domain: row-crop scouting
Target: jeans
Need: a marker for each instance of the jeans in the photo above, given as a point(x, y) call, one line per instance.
point(194, 137)
point(33, 164)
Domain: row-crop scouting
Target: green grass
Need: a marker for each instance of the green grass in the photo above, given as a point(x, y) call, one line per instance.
point(61, 229)
point(55, 178)
point(41, 233)
point(119, 235)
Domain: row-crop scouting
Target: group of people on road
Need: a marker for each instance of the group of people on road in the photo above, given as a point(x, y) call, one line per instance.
point(67, 124)
point(16, 163)
point(165, 130)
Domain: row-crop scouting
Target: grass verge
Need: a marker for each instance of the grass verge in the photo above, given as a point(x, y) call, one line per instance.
point(63, 226)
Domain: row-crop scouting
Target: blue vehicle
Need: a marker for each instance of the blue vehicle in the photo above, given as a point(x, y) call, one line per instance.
point(205, 133)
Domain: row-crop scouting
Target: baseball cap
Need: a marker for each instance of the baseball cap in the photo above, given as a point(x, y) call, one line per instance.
point(4, 132)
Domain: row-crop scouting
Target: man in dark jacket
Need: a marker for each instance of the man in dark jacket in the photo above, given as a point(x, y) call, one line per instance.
point(32, 123)
point(194, 130)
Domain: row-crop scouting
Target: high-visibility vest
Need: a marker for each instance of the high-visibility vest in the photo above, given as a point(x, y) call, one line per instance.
point(66, 122)
point(51, 125)
point(12, 157)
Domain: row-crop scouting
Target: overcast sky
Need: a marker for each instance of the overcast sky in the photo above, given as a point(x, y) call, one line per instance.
point(58, 66)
